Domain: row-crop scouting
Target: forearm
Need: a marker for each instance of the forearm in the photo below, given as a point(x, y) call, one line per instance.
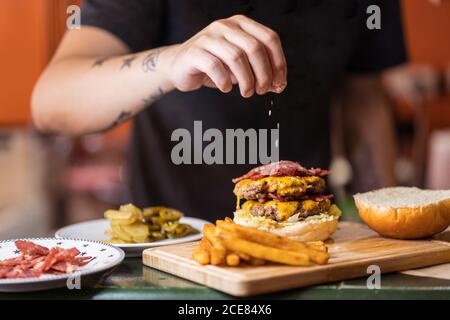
point(81, 92)
point(78, 95)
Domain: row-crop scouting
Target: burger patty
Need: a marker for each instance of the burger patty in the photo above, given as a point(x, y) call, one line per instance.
point(282, 211)
point(272, 187)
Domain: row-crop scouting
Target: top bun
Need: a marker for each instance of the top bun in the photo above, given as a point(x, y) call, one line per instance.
point(405, 212)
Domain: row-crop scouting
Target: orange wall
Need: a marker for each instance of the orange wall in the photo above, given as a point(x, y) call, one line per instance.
point(22, 56)
point(29, 33)
point(427, 30)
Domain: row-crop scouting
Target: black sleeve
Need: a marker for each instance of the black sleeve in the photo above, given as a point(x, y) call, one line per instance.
point(379, 49)
point(138, 23)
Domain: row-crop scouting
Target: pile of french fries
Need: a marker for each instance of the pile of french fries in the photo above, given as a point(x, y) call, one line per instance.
point(230, 244)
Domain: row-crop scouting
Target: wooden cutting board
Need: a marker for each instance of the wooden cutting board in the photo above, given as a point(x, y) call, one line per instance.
point(353, 248)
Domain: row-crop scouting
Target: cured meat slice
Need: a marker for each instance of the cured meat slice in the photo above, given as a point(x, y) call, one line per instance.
point(58, 254)
point(30, 248)
point(20, 272)
point(12, 261)
point(81, 261)
point(36, 260)
point(281, 168)
point(64, 266)
point(4, 271)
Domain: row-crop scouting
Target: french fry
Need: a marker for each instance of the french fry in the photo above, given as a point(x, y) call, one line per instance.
point(208, 231)
point(260, 251)
point(228, 220)
point(226, 231)
point(202, 254)
point(243, 256)
point(227, 243)
point(257, 262)
point(272, 240)
point(218, 250)
point(317, 245)
point(232, 259)
point(205, 244)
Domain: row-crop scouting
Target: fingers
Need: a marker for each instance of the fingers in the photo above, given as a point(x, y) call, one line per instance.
point(235, 59)
point(255, 52)
point(212, 66)
point(231, 51)
point(272, 43)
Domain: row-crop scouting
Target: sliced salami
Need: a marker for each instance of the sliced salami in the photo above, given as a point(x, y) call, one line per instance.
point(281, 168)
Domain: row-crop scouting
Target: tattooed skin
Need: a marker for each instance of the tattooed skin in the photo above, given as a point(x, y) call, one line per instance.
point(126, 63)
point(153, 97)
point(150, 61)
point(99, 62)
point(122, 117)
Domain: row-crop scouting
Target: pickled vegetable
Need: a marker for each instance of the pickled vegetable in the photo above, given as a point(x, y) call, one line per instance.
point(131, 224)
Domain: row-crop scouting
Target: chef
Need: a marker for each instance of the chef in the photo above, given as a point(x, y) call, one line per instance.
point(226, 65)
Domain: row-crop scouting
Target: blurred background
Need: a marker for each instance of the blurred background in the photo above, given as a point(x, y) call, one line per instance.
point(48, 181)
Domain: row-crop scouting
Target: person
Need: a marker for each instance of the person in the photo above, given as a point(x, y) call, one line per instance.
point(235, 64)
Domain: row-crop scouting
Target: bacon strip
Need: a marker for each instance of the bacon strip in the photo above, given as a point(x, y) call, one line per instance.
point(64, 267)
point(4, 271)
point(30, 248)
point(279, 169)
point(36, 260)
point(12, 261)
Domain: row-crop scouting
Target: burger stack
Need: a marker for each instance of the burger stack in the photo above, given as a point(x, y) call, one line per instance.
point(286, 199)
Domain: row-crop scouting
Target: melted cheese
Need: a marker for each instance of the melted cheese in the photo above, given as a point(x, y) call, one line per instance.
point(280, 185)
point(284, 209)
point(309, 204)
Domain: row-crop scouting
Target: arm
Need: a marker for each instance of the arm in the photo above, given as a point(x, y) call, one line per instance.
point(93, 83)
point(369, 124)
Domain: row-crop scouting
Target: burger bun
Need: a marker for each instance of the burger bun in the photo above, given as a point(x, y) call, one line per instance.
point(405, 212)
point(314, 228)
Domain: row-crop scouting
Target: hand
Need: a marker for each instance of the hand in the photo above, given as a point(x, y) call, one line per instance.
point(230, 51)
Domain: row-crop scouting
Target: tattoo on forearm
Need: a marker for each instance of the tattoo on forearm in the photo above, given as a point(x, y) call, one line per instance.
point(150, 61)
point(122, 117)
point(126, 63)
point(153, 97)
point(99, 62)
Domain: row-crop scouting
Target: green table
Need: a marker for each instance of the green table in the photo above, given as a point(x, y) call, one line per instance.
point(132, 280)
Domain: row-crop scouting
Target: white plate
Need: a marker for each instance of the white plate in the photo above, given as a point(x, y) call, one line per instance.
point(105, 257)
point(95, 230)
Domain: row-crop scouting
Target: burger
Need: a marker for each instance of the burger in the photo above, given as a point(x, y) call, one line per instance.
point(286, 199)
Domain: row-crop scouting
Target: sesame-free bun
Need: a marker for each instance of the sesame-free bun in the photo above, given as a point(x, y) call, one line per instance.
point(315, 228)
point(405, 212)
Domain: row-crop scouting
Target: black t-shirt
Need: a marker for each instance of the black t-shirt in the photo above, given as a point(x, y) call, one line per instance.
point(323, 41)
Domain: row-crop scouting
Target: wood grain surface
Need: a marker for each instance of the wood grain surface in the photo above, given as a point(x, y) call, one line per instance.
point(353, 248)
